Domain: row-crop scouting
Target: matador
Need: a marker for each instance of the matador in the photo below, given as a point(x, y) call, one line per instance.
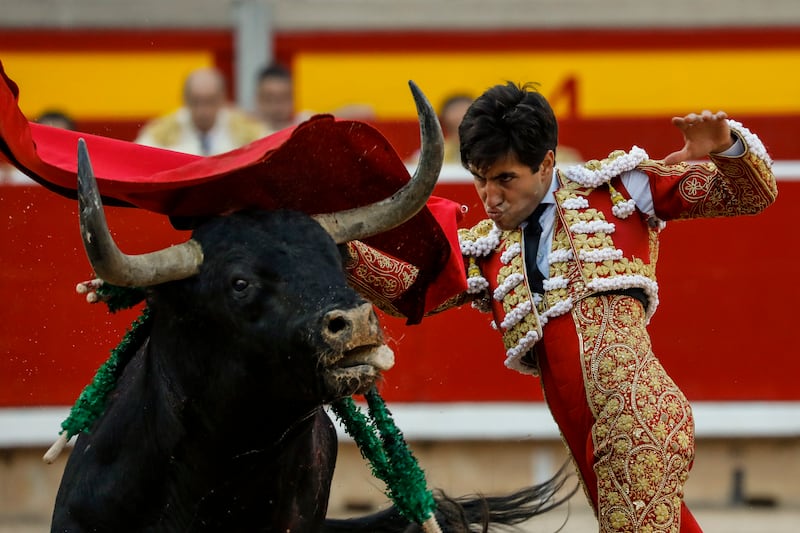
point(566, 263)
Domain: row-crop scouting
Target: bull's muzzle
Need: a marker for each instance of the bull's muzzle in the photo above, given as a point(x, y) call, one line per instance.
point(356, 353)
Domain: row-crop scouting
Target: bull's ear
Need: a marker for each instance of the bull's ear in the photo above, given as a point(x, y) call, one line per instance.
point(187, 223)
point(347, 255)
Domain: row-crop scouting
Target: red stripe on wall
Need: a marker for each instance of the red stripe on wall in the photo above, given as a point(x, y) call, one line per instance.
point(540, 40)
point(117, 40)
point(724, 329)
point(291, 42)
point(593, 138)
point(126, 130)
point(596, 138)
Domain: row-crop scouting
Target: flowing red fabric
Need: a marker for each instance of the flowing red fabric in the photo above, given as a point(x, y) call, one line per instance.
point(321, 165)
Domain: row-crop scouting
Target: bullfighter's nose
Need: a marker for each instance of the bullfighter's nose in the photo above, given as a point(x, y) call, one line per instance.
point(345, 329)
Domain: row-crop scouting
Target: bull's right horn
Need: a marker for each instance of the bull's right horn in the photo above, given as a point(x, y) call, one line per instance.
point(368, 220)
point(109, 263)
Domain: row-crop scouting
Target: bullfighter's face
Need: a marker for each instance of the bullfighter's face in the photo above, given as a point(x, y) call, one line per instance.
point(510, 190)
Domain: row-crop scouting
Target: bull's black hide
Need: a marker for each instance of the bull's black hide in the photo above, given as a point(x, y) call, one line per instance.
point(216, 422)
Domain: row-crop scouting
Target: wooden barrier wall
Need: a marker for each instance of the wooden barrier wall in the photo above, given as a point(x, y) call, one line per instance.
point(723, 329)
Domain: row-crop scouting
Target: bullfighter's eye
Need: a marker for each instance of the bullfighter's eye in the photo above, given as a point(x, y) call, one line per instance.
point(240, 284)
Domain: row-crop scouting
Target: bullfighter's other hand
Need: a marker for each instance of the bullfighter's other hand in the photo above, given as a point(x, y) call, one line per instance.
point(704, 133)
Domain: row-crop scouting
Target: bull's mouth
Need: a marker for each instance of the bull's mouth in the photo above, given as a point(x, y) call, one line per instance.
point(378, 356)
point(356, 370)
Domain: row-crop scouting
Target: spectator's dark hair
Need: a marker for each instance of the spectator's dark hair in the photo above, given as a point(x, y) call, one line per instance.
point(52, 116)
point(275, 70)
point(508, 119)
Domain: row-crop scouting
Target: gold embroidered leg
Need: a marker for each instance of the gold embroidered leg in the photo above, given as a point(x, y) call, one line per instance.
point(643, 434)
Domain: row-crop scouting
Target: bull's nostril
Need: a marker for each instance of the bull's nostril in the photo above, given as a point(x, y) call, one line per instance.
point(335, 325)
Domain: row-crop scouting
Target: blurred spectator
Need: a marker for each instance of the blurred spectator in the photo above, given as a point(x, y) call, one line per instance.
point(57, 119)
point(275, 102)
point(207, 124)
point(275, 98)
point(450, 114)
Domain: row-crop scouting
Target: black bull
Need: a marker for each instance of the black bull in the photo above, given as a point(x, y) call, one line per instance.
point(216, 423)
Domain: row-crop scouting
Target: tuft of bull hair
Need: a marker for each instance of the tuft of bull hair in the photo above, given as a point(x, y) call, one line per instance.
point(465, 514)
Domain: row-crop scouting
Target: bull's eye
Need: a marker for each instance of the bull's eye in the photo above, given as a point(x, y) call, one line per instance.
point(240, 284)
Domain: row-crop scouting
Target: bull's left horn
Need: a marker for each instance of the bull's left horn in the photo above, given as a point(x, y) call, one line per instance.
point(362, 222)
point(109, 263)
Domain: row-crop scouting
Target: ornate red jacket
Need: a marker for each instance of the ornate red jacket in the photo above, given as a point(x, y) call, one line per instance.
point(601, 240)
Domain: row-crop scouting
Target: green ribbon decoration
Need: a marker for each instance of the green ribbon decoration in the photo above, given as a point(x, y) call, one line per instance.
point(92, 401)
point(382, 444)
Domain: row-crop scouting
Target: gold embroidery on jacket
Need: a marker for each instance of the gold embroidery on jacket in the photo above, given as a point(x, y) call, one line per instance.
point(747, 186)
point(378, 277)
point(630, 271)
point(518, 295)
point(643, 434)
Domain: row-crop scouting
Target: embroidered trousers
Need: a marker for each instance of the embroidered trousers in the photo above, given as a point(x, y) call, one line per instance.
point(628, 427)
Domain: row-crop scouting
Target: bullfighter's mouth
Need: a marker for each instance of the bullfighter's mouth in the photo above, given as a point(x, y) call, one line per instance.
point(358, 369)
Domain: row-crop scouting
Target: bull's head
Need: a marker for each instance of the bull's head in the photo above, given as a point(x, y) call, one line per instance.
point(273, 287)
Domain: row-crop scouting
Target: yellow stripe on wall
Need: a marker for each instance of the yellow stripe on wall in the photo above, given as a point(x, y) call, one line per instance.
point(609, 83)
point(88, 85)
point(134, 85)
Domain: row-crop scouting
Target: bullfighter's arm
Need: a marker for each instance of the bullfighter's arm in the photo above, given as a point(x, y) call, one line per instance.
point(377, 276)
point(731, 184)
point(382, 279)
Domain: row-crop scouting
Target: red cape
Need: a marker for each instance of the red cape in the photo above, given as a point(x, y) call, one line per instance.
point(322, 165)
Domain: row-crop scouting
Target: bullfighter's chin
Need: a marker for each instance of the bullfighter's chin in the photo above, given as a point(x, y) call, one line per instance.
point(358, 370)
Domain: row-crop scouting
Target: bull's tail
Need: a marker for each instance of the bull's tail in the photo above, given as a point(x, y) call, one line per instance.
point(466, 513)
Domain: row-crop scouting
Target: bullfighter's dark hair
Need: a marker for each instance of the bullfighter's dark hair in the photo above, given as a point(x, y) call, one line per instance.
point(508, 119)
